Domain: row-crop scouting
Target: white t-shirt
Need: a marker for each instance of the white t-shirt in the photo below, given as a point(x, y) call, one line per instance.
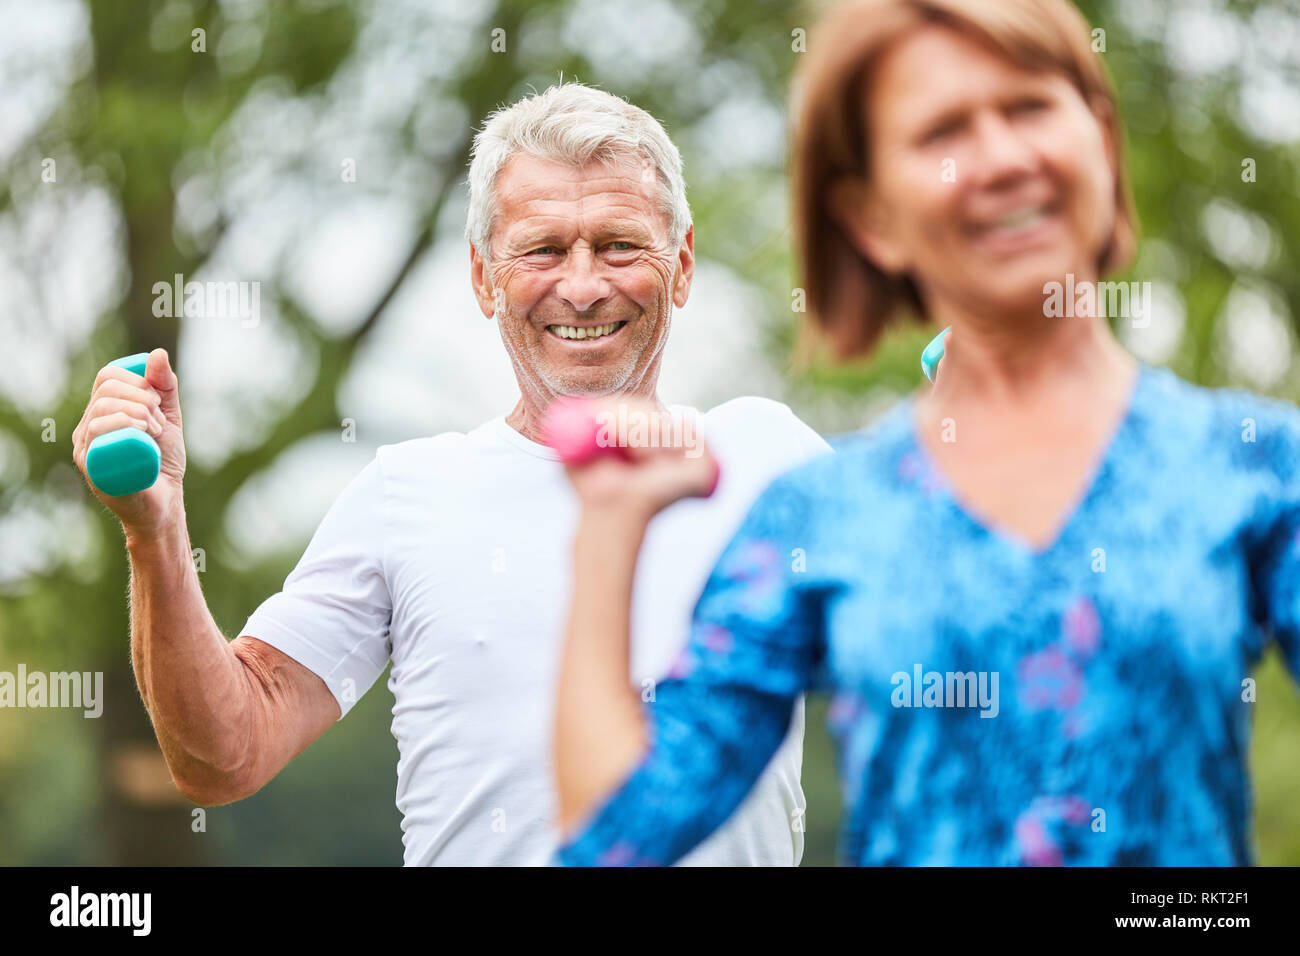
point(451, 555)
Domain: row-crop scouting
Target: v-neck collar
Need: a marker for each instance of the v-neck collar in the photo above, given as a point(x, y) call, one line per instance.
point(943, 489)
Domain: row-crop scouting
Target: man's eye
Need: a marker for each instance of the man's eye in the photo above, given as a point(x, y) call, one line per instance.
point(543, 251)
point(626, 246)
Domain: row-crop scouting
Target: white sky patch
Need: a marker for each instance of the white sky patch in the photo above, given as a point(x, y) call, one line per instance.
point(627, 43)
point(236, 380)
point(1270, 109)
point(1158, 340)
point(1274, 34)
point(61, 267)
point(282, 506)
point(1240, 239)
point(1254, 335)
point(42, 531)
point(43, 47)
point(349, 258)
point(740, 132)
point(1203, 38)
point(1146, 21)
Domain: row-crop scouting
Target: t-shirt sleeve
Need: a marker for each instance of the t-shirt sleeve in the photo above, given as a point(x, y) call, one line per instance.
point(334, 612)
point(727, 703)
point(1274, 541)
point(810, 443)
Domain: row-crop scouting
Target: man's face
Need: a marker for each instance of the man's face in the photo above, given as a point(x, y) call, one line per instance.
point(583, 280)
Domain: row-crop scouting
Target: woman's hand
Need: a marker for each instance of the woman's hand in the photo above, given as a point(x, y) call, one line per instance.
point(640, 459)
point(628, 459)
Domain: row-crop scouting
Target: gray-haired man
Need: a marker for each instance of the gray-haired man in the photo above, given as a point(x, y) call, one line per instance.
point(449, 555)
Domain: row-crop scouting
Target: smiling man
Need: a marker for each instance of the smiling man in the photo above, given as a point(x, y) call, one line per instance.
point(582, 273)
point(450, 555)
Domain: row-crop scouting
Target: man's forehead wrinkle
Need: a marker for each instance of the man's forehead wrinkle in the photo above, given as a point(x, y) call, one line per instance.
point(545, 216)
point(619, 193)
point(563, 205)
point(600, 222)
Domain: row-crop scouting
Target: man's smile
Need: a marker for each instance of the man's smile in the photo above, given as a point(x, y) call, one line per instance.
point(585, 333)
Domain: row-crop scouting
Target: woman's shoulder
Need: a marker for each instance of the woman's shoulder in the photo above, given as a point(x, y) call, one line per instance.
point(856, 456)
point(888, 428)
point(1177, 396)
point(1229, 418)
point(835, 492)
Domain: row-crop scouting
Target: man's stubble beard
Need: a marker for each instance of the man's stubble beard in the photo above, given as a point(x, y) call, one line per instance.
point(614, 377)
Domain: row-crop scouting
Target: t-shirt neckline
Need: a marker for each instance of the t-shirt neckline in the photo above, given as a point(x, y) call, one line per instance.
point(525, 444)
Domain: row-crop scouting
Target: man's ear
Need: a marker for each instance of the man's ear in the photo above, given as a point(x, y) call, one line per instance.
point(863, 219)
point(482, 282)
point(685, 270)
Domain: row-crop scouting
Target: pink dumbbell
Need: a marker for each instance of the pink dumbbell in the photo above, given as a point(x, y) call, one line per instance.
point(571, 428)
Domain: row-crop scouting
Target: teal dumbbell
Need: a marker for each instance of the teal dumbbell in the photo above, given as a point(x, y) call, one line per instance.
point(933, 354)
point(125, 461)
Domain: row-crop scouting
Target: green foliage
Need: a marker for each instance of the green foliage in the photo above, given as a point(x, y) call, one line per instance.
point(139, 109)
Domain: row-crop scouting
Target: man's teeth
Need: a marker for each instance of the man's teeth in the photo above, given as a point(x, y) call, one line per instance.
point(584, 332)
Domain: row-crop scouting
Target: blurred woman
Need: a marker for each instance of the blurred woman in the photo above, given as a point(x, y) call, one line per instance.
point(1036, 591)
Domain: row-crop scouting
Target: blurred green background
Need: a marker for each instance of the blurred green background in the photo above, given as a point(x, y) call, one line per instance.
point(319, 148)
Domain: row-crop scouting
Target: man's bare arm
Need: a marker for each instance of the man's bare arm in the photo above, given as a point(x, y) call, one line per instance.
point(228, 715)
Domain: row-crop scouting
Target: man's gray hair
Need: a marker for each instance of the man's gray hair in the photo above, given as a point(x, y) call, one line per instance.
point(576, 124)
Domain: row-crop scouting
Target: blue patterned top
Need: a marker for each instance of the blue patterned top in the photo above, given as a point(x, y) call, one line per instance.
point(1089, 703)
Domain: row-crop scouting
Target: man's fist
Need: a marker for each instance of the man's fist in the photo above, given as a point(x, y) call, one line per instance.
point(122, 399)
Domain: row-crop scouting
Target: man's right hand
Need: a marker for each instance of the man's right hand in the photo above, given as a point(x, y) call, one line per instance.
point(255, 708)
point(122, 399)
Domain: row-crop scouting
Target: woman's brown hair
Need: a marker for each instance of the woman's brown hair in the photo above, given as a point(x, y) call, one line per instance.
point(849, 300)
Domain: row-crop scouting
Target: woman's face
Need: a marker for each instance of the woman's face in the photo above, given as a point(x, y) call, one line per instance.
point(988, 180)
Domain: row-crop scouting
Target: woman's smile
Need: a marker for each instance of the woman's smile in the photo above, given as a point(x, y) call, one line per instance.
point(1023, 230)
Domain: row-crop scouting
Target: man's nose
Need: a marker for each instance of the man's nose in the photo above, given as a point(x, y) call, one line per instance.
point(1001, 151)
point(582, 285)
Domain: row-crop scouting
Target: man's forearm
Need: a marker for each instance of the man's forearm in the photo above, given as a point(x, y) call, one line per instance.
point(193, 685)
point(600, 727)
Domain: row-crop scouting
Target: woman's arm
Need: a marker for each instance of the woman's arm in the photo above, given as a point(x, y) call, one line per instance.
point(599, 726)
point(646, 781)
point(1273, 539)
